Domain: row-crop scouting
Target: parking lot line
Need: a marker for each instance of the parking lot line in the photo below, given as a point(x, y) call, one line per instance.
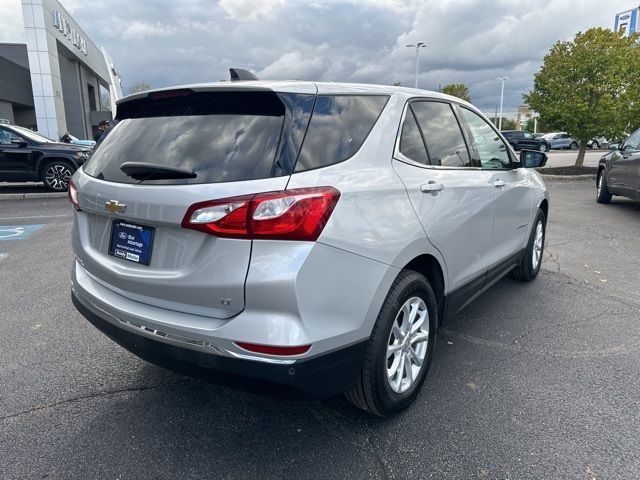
point(17, 232)
point(35, 216)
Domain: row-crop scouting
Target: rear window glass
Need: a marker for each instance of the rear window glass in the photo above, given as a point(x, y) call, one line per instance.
point(339, 126)
point(223, 137)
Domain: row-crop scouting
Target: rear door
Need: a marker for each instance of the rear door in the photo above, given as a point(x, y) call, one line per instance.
point(237, 143)
point(510, 187)
point(451, 197)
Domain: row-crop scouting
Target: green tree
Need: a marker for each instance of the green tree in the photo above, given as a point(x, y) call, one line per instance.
point(459, 90)
point(589, 86)
point(140, 87)
point(507, 123)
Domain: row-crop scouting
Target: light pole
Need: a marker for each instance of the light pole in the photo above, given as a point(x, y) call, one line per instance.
point(417, 46)
point(502, 79)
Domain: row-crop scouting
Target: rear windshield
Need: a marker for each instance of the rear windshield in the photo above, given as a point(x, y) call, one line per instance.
point(223, 137)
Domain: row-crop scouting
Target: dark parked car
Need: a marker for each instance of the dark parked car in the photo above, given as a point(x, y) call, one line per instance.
point(619, 170)
point(26, 156)
point(524, 140)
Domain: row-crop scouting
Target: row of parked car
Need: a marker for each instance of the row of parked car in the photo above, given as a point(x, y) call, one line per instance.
point(520, 140)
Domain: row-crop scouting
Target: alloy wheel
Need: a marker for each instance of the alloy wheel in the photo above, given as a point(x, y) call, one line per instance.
point(407, 345)
point(537, 245)
point(57, 176)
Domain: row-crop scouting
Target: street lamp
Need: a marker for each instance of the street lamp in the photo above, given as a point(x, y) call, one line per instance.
point(417, 46)
point(502, 79)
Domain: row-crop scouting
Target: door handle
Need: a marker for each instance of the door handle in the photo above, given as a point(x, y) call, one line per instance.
point(431, 187)
point(499, 183)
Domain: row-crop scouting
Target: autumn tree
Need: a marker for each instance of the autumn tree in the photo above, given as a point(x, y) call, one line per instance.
point(589, 86)
point(459, 90)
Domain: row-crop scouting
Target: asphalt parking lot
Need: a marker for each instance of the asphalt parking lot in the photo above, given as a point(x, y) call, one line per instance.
point(536, 380)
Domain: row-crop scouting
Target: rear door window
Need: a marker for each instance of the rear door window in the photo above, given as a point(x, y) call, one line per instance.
point(411, 143)
point(339, 126)
point(222, 136)
point(442, 134)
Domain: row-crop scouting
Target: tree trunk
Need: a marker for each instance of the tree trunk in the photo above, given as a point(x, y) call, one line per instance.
point(581, 152)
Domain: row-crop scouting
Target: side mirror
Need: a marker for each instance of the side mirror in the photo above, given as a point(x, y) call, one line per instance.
point(533, 158)
point(20, 143)
point(614, 146)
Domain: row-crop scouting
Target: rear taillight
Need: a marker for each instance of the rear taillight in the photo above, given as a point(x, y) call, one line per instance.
point(73, 195)
point(298, 214)
point(274, 349)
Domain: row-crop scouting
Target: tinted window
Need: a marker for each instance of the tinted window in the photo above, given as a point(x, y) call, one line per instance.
point(491, 149)
point(339, 126)
point(445, 143)
point(223, 137)
point(411, 144)
point(633, 142)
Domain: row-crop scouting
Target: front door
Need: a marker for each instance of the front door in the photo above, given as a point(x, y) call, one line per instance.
point(510, 186)
point(452, 199)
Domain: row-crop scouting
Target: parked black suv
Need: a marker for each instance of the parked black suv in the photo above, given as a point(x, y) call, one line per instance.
point(26, 156)
point(520, 140)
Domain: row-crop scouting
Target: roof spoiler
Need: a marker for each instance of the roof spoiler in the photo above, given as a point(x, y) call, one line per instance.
point(238, 75)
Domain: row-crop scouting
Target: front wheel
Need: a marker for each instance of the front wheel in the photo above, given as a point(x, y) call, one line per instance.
point(531, 260)
point(574, 146)
point(595, 145)
point(400, 348)
point(543, 147)
point(56, 175)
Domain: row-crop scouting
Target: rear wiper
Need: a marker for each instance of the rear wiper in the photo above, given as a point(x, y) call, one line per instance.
point(154, 171)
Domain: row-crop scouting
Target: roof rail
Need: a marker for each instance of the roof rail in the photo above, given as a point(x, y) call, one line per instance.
point(238, 75)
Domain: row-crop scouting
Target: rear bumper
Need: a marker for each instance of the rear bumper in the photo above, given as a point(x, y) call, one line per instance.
point(321, 376)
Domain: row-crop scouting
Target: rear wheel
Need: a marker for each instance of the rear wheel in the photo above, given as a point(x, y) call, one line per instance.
point(602, 193)
point(400, 348)
point(595, 145)
point(56, 175)
point(531, 260)
point(574, 146)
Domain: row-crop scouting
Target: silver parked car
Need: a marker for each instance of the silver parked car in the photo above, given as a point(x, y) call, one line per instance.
point(314, 235)
point(561, 140)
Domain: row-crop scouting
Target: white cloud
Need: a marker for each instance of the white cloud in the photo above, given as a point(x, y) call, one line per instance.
point(248, 10)
point(11, 24)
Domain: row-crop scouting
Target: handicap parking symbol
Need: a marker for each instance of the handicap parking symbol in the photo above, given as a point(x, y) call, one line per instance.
point(17, 232)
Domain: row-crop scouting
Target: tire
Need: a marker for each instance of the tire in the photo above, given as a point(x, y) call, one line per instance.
point(378, 391)
point(595, 145)
point(543, 147)
point(56, 175)
point(602, 192)
point(574, 146)
point(529, 265)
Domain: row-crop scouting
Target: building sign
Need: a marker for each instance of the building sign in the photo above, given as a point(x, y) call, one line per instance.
point(627, 22)
point(72, 34)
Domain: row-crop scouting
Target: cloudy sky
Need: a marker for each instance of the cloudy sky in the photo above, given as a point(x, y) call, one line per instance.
point(169, 42)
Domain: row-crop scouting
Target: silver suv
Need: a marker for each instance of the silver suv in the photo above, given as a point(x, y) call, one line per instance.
point(309, 234)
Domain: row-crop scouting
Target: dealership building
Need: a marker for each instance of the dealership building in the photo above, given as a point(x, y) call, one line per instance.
point(58, 80)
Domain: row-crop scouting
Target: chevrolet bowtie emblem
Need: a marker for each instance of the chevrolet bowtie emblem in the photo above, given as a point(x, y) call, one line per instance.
point(114, 207)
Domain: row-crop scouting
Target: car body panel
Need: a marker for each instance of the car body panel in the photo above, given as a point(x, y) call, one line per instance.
point(326, 293)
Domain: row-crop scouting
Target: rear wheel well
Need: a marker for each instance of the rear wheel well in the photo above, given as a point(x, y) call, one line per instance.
point(429, 266)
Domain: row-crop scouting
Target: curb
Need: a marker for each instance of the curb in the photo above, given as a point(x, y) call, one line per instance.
point(30, 196)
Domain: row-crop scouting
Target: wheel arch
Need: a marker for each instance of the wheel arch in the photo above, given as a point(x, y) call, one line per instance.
point(544, 206)
point(429, 266)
